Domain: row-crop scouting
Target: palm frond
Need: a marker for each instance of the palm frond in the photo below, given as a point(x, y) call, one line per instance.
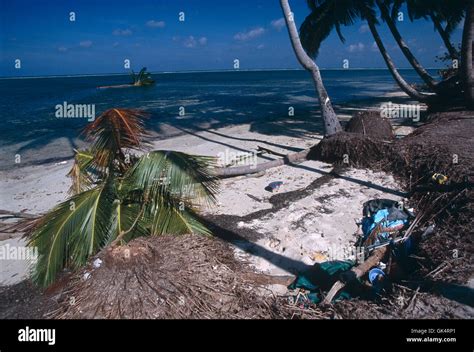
point(170, 216)
point(80, 177)
point(143, 78)
point(186, 177)
point(72, 232)
point(133, 77)
point(330, 14)
point(316, 27)
point(113, 132)
point(127, 216)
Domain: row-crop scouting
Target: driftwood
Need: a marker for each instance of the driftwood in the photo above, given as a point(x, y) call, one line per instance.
point(21, 215)
point(14, 229)
point(359, 271)
point(269, 151)
point(118, 86)
point(294, 158)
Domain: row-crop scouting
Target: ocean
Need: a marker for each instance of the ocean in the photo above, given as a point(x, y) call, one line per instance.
point(29, 125)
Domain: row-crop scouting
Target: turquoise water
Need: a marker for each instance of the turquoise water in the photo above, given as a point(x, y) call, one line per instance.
point(210, 99)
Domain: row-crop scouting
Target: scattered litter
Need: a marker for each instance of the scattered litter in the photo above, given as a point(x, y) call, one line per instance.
point(439, 178)
point(319, 278)
point(61, 163)
point(274, 186)
point(376, 275)
point(382, 225)
point(97, 263)
point(318, 257)
point(383, 217)
point(86, 276)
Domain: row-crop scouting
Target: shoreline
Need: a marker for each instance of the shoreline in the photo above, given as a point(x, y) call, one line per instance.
point(64, 141)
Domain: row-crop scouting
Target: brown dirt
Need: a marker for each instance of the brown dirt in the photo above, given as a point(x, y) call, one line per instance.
point(370, 124)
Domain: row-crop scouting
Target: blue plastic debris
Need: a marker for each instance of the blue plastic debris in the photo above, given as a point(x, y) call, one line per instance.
point(374, 275)
point(274, 186)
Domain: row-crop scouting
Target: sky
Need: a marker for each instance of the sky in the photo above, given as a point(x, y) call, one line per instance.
point(213, 34)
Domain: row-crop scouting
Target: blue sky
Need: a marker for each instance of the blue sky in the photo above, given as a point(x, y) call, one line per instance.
point(214, 33)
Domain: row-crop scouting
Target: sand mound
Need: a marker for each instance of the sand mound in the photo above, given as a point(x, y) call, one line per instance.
point(353, 149)
point(369, 123)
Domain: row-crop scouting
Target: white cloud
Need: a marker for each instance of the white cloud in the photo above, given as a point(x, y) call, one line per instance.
point(155, 24)
point(62, 49)
point(122, 32)
point(254, 33)
point(192, 42)
point(374, 47)
point(364, 29)
point(261, 46)
point(278, 24)
point(86, 43)
point(354, 48)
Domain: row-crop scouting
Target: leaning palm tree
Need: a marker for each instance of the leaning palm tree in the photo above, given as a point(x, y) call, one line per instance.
point(385, 14)
point(118, 195)
point(327, 15)
point(331, 123)
point(438, 11)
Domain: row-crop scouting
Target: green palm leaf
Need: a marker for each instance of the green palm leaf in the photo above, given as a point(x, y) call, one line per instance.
point(173, 217)
point(72, 232)
point(127, 215)
point(185, 177)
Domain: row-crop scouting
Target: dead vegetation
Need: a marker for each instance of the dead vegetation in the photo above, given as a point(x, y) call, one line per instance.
point(443, 146)
point(184, 277)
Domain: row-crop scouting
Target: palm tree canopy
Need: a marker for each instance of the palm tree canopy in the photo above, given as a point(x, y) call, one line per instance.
point(113, 132)
point(115, 199)
point(327, 15)
point(451, 12)
point(143, 78)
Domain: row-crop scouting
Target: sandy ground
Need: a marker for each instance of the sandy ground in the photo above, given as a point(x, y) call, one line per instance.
point(319, 226)
point(308, 230)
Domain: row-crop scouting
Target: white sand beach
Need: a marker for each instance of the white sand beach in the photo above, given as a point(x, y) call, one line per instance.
point(305, 230)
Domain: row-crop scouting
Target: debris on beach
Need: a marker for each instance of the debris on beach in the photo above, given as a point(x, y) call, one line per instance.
point(274, 186)
point(383, 225)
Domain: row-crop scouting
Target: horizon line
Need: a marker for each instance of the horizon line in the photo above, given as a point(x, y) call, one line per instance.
point(208, 71)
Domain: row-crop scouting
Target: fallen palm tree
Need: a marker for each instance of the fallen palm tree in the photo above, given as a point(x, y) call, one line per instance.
point(118, 195)
point(142, 79)
point(377, 131)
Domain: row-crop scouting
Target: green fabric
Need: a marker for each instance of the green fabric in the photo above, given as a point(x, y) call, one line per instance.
point(321, 277)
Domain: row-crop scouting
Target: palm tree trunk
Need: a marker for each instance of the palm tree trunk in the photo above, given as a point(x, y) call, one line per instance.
point(331, 123)
point(404, 47)
point(445, 37)
point(466, 54)
point(412, 92)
